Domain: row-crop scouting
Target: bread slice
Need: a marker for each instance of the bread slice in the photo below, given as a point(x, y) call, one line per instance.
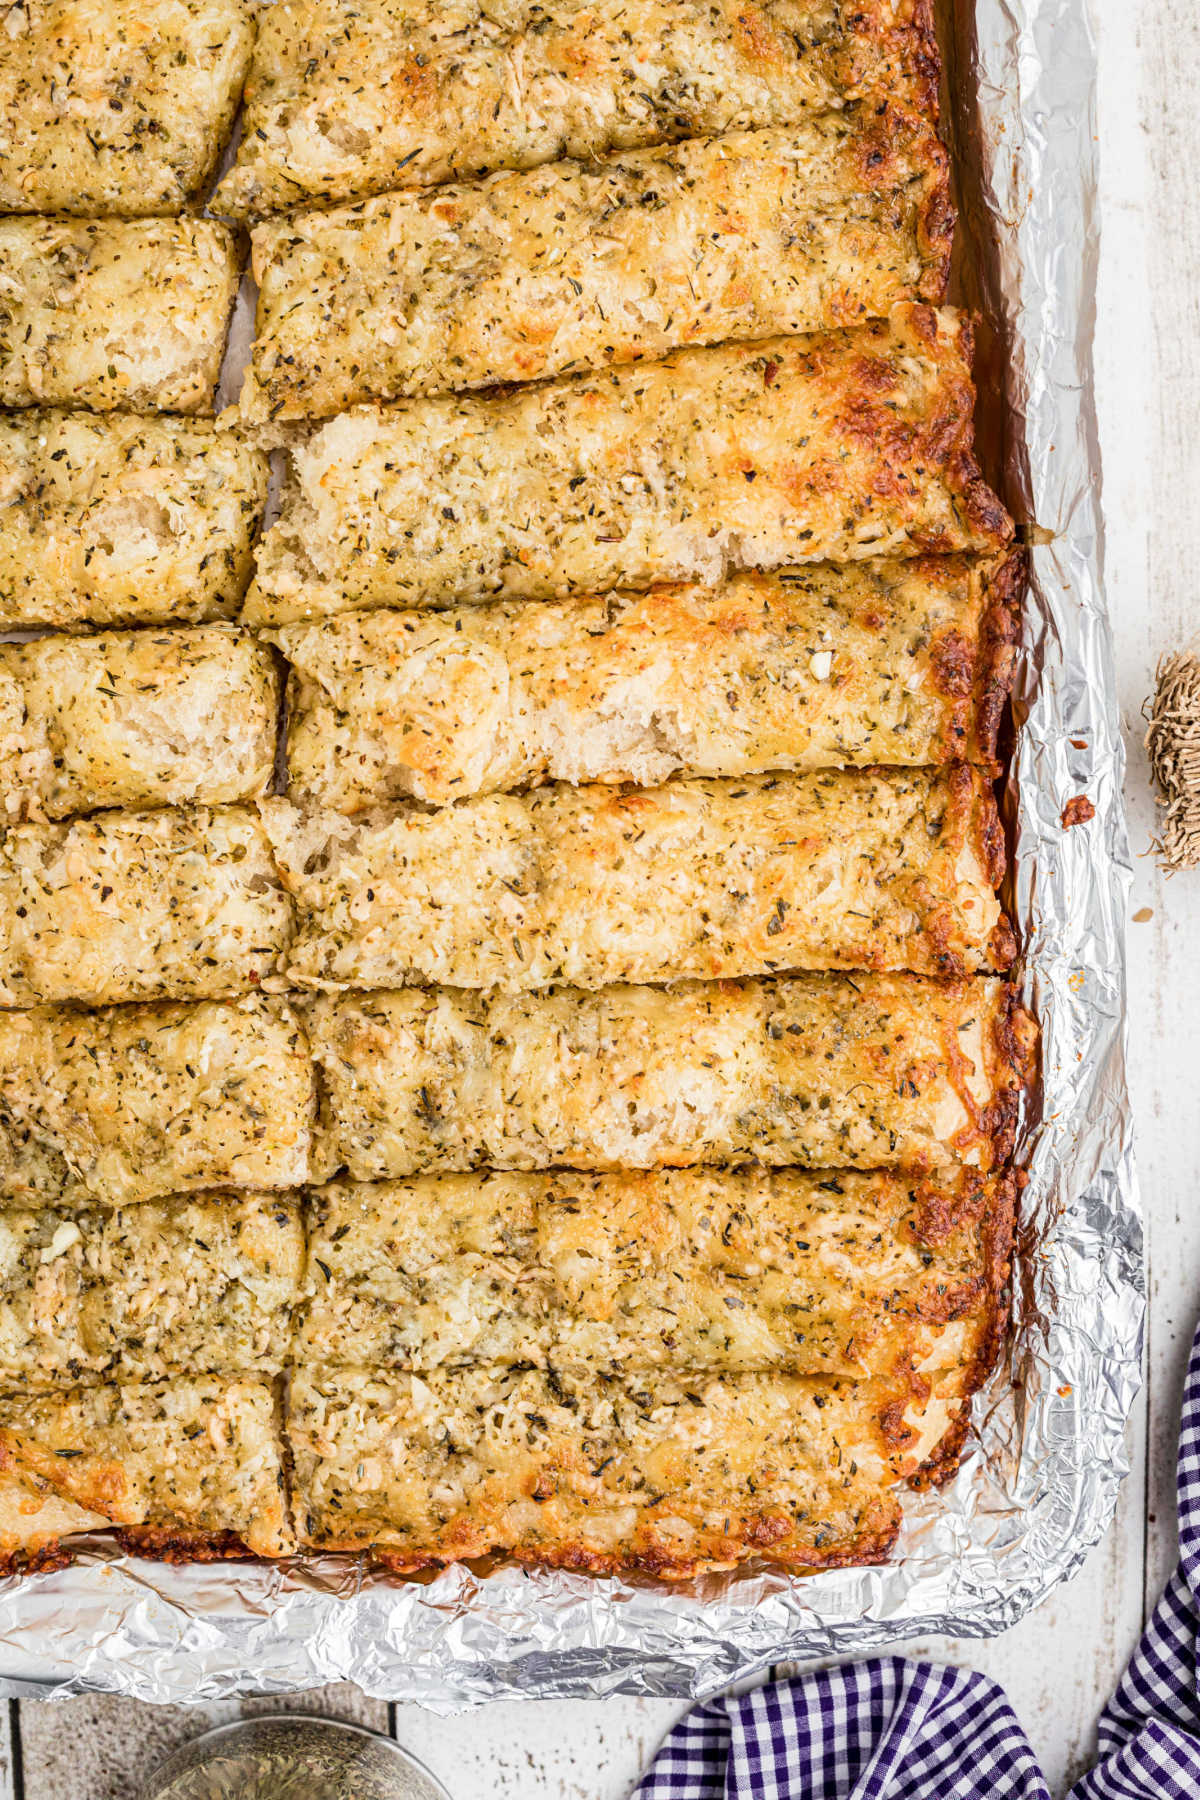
point(119, 106)
point(793, 670)
point(135, 1102)
point(202, 1285)
point(401, 93)
point(165, 905)
point(189, 1468)
point(114, 314)
point(666, 1474)
point(118, 520)
point(831, 1273)
point(135, 719)
point(581, 265)
point(849, 869)
point(819, 1071)
point(838, 447)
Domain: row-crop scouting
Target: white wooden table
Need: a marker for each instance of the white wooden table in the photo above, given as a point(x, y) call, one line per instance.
point(1060, 1664)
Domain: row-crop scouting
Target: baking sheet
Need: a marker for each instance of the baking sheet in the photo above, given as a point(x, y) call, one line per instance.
point(1038, 1485)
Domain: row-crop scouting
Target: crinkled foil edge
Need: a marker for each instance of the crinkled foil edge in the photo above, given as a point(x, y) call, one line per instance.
point(1038, 1486)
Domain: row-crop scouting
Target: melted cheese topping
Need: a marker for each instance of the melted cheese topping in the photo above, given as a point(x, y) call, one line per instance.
point(901, 663)
point(117, 107)
point(148, 718)
point(854, 1275)
point(669, 1474)
point(114, 315)
point(33, 1523)
point(853, 870)
point(851, 445)
point(578, 265)
point(138, 1101)
point(661, 1367)
point(188, 1458)
point(345, 101)
point(201, 1286)
point(118, 520)
point(139, 906)
point(821, 1071)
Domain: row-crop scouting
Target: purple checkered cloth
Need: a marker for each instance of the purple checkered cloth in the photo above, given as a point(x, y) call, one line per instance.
point(890, 1729)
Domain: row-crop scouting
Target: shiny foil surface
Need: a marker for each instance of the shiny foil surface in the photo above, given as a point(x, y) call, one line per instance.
point(1039, 1480)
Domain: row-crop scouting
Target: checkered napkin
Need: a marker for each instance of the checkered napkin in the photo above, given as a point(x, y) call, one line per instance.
point(890, 1729)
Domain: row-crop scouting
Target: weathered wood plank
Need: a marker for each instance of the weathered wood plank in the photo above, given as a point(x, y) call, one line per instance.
point(1166, 969)
point(540, 1749)
point(9, 1757)
point(101, 1747)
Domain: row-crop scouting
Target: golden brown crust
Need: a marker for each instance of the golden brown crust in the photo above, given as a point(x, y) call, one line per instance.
point(997, 1205)
point(582, 265)
point(923, 58)
point(117, 106)
point(873, 1544)
point(817, 1071)
point(790, 670)
point(1017, 1043)
point(406, 95)
point(149, 1543)
point(157, 1545)
point(42, 1561)
point(999, 1238)
point(974, 671)
point(114, 314)
point(839, 447)
point(707, 880)
point(661, 1474)
point(1000, 638)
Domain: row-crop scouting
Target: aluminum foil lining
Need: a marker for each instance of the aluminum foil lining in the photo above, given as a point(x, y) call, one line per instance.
point(1038, 1485)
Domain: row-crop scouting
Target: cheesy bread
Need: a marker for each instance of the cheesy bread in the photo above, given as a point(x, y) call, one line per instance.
point(581, 265)
point(852, 869)
point(793, 670)
point(139, 1101)
point(114, 314)
point(831, 1274)
point(837, 447)
point(35, 1524)
point(117, 520)
point(188, 1468)
point(117, 108)
point(137, 719)
point(344, 101)
point(668, 1474)
point(170, 905)
point(820, 1071)
point(196, 1286)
